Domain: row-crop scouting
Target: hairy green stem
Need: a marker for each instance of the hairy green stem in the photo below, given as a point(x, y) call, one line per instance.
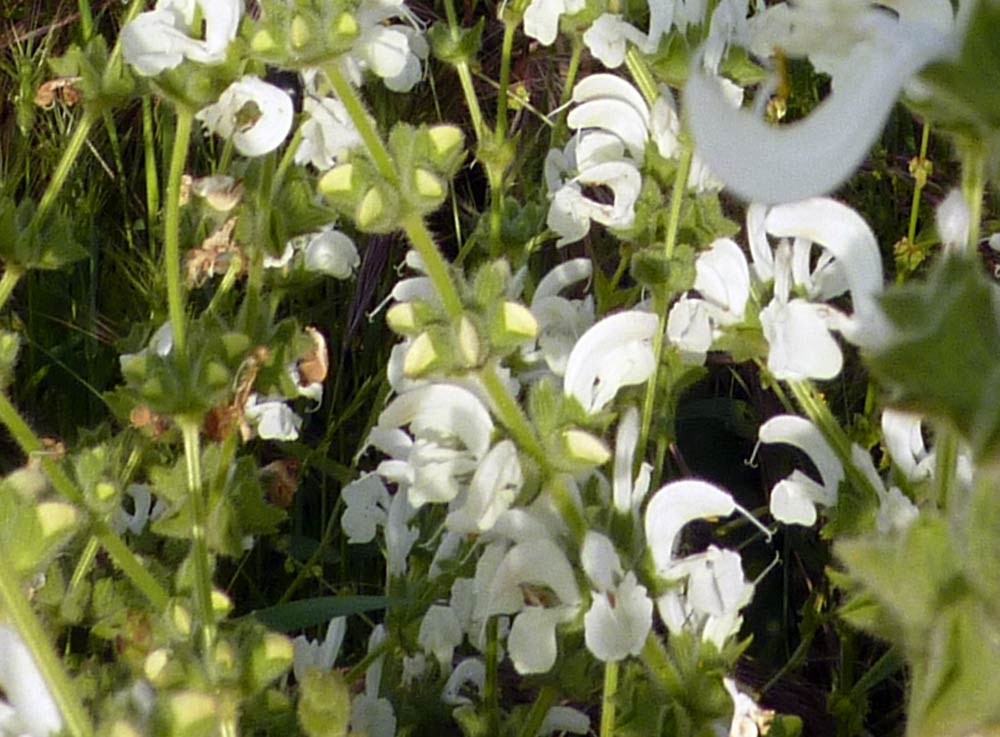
point(465, 76)
point(511, 415)
point(507, 49)
point(199, 543)
point(437, 268)
point(608, 699)
point(640, 73)
point(918, 186)
point(973, 186)
point(945, 465)
point(661, 302)
point(359, 116)
point(171, 230)
point(17, 609)
point(150, 164)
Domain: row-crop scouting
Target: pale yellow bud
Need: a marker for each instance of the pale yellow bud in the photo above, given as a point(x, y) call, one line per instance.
point(338, 180)
point(427, 184)
point(468, 342)
point(346, 25)
point(402, 318)
point(371, 208)
point(518, 320)
point(300, 32)
point(584, 447)
point(263, 42)
point(221, 603)
point(155, 664)
point(420, 356)
point(446, 138)
point(189, 708)
point(56, 517)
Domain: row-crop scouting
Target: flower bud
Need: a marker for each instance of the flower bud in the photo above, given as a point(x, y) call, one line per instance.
point(586, 448)
point(300, 32)
point(428, 185)
point(468, 342)
point(271, 658)
point(446, 139)
point(371, 208)
point(56, 518)
point(180, 617)
point(406, 318)
point(345, 25)
point(517, 321)
point(338, 180)
point(420, 356)
point(263, 42)
point(221, 603)
point(192, 713)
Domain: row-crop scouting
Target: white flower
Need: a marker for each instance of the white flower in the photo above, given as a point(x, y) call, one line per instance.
point(621, 614)
point(870, 57)
point(273, 419)
point(255, 114)
point(491, 492)
point(564, 719)
point(319, 655)
point(615, 352)
point(332, 253)
point(901, 432)
point(399, 536)
point(952, 220)
point(143, 510)
point(794, 499)
point(749, 720)
point(532, 638)
point(391, 51)
point(30, 709)
point(561, 321)
point(328, 134)
point(689, 327)
point(470, 672)
point(541, 18)
point(626, 496)
point(367, 507)
point(162, 38)
point(450, 431)
point(675, 505)
point(440, 633)
point(608, 38)
point(371, 715)
point(711, 592)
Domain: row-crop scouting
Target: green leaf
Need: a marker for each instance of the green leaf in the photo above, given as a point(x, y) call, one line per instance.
point(296, 615)
point(944, 360)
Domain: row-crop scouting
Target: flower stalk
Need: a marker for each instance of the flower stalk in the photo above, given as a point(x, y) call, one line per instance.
point(171, 229)
point(608, 699)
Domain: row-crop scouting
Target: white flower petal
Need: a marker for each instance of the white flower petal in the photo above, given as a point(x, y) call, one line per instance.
point(618, 623)
point(564, 719)
point(562, 277)
point(600, 561)
point(723, 277)
point(332, 253)
point(615, 352)
point(440, 633)
point(536, 562)
point(470, 672)
point(689, 327)
point(532, 639)
point(672, 507)
point(367, 505)
point(273, 419)
point(766, 164)
point(625, 444)
point(268, 110)
point(25, 688)
point(442, 409)
point(614, 115)
point(603, 86)
point(800, 344)
point(492, 491)
point(541, 20)
point(901, 432)
point(608, 37)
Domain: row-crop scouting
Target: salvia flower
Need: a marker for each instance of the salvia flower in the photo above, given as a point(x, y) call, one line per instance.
point(392, 51)
point(328, 134)
point(255, 114)
point(162, 38)
point(561, 320)
point(320, 655)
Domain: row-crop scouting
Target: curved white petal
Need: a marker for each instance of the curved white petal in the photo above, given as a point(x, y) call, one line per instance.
point(492, 491)
point(541, 20)
point(321, 655)
point(723, 277)
point(538, 562)
point(614, 115)
point(273, 419)
point(328, 134)
point(625, 444)
point(470, 672)
point(442, 409)
point(561, 277)
point(615, 352)
point(794, 503)
point(800, 344)
point(440, 633)
point(255, 114)
point(804, 435)
point(607, 39)
point(332, 253)
point(564, 719)
point(904, 440)
point(625, 182)
point(675, 505)
point(763, 163)
point(604, 86)
point(367, 504)
point(689, 327)
point(600, 561)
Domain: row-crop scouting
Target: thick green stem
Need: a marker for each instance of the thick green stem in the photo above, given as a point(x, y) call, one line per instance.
point(8, 281)
point(118, 551)
point(608, 699)
point(660, 301)
point(17, 610)
point(465, 76)
point(973, 186)
point(543, 702)
point(945, 465)
point(199, 544)
point(640, 73)
point(437, 267)
point(171, 229)
point(359, 116)
point(509, 27)
point(511, 415)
